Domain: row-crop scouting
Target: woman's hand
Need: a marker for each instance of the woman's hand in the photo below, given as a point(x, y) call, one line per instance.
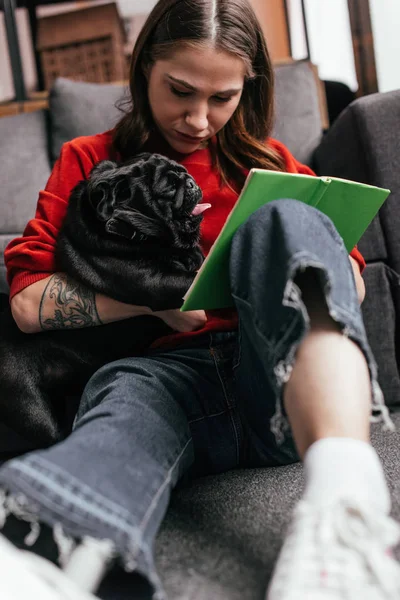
point(360, 285)
point(183, 321)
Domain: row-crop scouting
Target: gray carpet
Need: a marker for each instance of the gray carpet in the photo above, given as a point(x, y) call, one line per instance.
point(222, 534)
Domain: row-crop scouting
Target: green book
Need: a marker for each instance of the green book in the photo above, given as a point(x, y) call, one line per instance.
point(350, 205)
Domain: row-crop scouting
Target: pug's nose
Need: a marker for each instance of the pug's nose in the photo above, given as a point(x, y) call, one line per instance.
point(190, 184)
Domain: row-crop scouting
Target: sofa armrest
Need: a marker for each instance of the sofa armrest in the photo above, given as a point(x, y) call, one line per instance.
point(363, 145)
point(382, 287)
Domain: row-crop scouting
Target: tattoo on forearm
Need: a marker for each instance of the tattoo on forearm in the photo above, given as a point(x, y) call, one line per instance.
point(74, 305)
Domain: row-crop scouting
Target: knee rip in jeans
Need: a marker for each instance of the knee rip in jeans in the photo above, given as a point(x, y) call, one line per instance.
point(292, 297)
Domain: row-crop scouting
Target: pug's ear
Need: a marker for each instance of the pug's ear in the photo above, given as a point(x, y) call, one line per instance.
point(103, 200)
point(100, 189)
point(102, 167)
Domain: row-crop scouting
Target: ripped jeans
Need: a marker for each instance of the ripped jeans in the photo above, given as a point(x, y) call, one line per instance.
point(213, 405)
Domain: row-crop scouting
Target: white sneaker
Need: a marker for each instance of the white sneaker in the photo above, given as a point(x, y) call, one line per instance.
point(27, 576)
point(338, 552)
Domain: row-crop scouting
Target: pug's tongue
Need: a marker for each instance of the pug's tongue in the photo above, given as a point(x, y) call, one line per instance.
point(200, 208)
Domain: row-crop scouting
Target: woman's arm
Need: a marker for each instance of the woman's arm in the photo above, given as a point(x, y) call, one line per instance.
point(59, 302)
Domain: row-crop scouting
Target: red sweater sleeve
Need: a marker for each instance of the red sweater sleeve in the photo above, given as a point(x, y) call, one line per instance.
point(294, 166)
point(31, 257)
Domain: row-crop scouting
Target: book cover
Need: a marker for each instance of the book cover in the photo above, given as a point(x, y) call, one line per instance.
point(350, 205)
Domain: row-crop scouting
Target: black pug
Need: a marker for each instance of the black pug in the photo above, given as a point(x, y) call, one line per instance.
point(132, 233)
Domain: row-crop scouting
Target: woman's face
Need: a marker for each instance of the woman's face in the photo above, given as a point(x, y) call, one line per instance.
point(193, 94)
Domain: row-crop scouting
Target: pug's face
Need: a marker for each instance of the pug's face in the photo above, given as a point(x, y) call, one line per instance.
point(150, 197)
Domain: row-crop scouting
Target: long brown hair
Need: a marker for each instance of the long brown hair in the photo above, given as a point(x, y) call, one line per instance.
point(231, 26)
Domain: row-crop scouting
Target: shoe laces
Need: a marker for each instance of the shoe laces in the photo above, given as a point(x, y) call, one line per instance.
point(343, 541)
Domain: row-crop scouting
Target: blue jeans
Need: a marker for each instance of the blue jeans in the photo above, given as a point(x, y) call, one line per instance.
point(213, 405)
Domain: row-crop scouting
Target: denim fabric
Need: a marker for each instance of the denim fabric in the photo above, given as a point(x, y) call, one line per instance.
point(216, 404)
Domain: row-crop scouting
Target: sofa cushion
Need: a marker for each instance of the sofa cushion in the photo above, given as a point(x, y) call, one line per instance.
point(12, 444)
point(5, 238)
point(79, 108)
point(298, 122)
point(345, 151)
point(222, 533)
point(25, 168)
point(378, 119)
point(380, 323)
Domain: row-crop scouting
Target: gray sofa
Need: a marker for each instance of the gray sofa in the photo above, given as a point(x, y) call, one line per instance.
point(222, 533)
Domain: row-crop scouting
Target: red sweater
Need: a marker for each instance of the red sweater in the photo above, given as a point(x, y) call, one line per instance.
point(31, 257)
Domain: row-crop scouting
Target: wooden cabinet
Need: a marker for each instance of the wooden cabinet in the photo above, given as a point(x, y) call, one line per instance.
point(273, 18)
point(85, 44)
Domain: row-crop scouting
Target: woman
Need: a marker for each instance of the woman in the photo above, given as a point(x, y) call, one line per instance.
point(298, 382)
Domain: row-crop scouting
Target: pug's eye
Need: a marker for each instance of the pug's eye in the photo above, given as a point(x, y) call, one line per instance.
point(172, 178)
point(170, 192)
point(172, 188)
point(123, 190)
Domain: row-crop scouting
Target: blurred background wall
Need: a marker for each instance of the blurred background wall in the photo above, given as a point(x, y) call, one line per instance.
point(327, 39)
